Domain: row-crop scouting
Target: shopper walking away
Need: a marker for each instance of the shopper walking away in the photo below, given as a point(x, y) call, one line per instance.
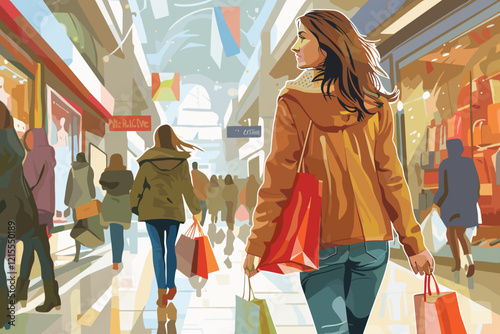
point(39, 172)
point(157, 198)
point(340, 102)
point(80, 189)
point(457, 199)
point(115, 210)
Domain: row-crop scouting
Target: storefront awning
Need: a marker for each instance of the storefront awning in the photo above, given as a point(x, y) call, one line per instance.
point(74, 75)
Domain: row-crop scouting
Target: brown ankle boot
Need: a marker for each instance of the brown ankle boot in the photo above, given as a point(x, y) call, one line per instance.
point(170, 295)
point(162, 302)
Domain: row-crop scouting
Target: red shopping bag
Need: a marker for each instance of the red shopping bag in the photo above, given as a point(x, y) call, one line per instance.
point(437, 313)
point(295, 243)
point(200, 252)
point(205, 262)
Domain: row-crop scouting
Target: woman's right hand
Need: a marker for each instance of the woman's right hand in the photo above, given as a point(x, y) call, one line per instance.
point(198, 216)
point(250, 265)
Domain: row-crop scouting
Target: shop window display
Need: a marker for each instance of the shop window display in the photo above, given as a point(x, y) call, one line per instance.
point(63, 124)
point(14, 93)
point(454, 92)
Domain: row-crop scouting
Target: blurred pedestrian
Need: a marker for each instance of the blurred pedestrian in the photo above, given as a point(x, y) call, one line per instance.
point(230, 196)
point(201, 185)
point(157, 198)
point(18, 212)
point(214, 199)
point(252, 188)
point(115, 210)
point(456, 199)
point(80, 189)
point(39, 172)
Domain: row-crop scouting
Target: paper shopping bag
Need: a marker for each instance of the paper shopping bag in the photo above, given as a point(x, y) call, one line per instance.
point(247, 317)
point(295, 244)
point(185, 250)
point(204, 258)
point(437, 313)
point(253, 316)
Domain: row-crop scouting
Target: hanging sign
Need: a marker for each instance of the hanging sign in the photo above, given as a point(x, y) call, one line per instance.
point(130, 123)
point(244, 132)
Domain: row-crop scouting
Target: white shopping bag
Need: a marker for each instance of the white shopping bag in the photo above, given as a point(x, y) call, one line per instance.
point(434, 232)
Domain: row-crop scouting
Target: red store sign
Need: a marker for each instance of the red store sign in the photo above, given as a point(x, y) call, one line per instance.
point(130, 123)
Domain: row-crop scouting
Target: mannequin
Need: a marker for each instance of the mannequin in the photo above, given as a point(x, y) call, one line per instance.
point(4, 96)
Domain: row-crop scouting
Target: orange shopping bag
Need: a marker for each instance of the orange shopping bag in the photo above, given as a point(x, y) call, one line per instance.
point(88, 210)
point(295, 243)
point(194, 253)
point(437, 313)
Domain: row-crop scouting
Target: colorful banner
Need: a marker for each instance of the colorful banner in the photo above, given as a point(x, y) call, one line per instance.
point(165, 86)
point(228, 24)
point(130, 123)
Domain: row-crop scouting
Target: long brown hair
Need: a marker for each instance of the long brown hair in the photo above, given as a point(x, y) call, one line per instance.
point(351, 64)
point(165, 137)
point(6, 121)
point(116, 163)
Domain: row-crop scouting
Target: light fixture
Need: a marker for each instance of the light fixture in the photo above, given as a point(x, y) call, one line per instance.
point(410, 16)
point(458, 46)
point(5, 61)
point(491, 25)
point(14, 76)
point(435, 59)
point(446, 54)
point(426, 95)
point(400, 105)
point(105, 58)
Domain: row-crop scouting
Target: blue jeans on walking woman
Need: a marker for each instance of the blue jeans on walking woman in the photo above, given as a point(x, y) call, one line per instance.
point(156, 230)
point(341, 293)
point(117, 241)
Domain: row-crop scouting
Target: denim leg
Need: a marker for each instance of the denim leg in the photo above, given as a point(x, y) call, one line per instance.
point(324, 290)
point(42, 248)
point(365, 271)
point(173, 229)
point(157, 237)
point(117, 242)
point(27, 258)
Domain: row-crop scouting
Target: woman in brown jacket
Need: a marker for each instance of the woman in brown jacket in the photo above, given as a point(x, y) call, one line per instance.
point(350, 148)
point(156, 197)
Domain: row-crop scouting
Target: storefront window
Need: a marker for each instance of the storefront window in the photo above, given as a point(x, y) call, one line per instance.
point(454, 92)
point(63, 124)
point(14, 93)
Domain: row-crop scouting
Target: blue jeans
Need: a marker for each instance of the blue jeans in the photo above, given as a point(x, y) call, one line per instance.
point(203, 205)
point(340, 295)
point(117, 241)
point(156, 230)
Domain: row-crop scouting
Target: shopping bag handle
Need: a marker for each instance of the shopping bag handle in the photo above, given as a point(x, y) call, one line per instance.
point(427, 286)
point(195, 227)
point(250, 292)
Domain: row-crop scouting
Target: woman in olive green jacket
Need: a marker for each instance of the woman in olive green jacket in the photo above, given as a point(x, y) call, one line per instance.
point(162, 181)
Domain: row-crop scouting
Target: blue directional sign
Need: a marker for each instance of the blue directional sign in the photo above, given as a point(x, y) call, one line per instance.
point(244, 131)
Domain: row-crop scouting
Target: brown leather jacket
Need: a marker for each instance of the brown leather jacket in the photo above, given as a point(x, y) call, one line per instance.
point(363, 184)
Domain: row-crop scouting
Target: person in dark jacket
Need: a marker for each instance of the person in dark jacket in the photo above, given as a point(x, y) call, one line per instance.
point(18, 212)
point(230, 196)
point(39, 172)
point(115, 210)
point(162, 181)
point(457, 199)
point(79, 189)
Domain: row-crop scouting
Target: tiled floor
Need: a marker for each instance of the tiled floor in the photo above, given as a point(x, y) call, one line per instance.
point(97, 299)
